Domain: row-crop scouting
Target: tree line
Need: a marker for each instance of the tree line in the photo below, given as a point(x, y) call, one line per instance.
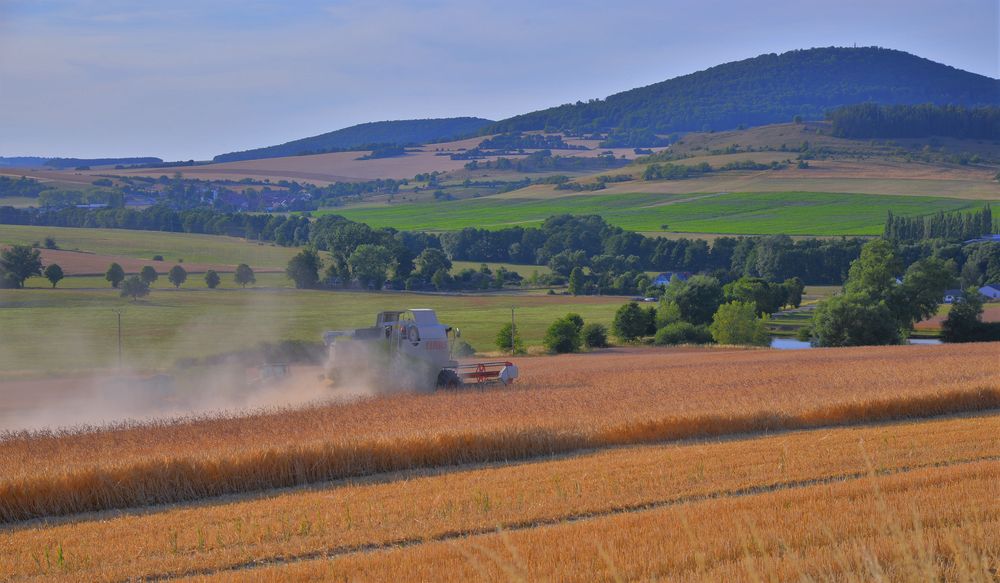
point(21, 187)
point(20, 262)
point(871, 120)
point(954, 226)
point(284, 230)
point(613, 258)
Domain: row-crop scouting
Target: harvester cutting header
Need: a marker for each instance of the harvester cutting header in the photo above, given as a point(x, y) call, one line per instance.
point(407, 349)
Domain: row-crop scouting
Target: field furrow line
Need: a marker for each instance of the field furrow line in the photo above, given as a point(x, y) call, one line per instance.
point(517, 526)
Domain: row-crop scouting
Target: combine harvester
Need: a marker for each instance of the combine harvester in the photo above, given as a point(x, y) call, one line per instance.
point(407, 349)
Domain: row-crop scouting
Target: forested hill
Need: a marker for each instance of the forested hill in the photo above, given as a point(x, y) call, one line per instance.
point(768, 89)
point(411, 131)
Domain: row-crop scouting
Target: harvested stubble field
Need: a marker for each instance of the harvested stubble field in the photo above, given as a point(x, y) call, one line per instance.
point(568, 404)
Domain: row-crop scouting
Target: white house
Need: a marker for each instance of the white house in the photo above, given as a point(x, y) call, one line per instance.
point(664, 278)
point(991, 291)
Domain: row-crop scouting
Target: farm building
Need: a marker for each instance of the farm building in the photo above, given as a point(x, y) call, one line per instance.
point(991, 291)
point(953, 295)
point(665, 277)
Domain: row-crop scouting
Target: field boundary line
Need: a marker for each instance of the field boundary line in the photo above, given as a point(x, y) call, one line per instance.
point(524, 525)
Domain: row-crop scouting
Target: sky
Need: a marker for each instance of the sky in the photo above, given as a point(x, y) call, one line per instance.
point(189, 79)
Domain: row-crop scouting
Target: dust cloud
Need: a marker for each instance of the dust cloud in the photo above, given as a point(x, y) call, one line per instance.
point(226, 382)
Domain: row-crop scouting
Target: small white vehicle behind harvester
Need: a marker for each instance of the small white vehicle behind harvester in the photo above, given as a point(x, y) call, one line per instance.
point(407, 349)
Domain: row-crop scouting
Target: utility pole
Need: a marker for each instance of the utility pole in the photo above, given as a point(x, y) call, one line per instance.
point(512, 329)
point(118, 312)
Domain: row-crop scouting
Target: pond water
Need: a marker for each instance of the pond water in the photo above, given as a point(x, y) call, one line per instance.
point(788, 344)
point(792, 344)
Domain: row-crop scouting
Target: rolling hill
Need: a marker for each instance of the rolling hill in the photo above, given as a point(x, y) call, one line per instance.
point(768, 89)
point(411, 131)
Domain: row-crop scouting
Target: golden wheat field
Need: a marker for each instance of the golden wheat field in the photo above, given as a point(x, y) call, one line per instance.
point(931, 525)
point(568, 404)
point(407, 508)
point(690, 464)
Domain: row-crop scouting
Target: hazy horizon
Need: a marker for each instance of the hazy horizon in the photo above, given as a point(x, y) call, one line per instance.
point(182, 80)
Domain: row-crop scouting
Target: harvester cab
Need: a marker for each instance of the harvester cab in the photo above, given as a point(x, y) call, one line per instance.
point(407, 349)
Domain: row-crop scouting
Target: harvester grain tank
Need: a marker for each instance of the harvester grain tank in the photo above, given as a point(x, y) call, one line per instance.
point(407, 349)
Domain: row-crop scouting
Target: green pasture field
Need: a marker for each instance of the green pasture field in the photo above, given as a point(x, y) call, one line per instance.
point(145, 244)
point(61, 330)
point(789, 213)
point(493, 212)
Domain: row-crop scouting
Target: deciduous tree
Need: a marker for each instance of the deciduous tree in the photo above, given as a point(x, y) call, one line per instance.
point(303, 269)
point(177, 276)
point(18, 263)
point(115, 274)
point(54, 274)
point(148, 274)
point(244, 275)
point(135, 287)
point(370, 264)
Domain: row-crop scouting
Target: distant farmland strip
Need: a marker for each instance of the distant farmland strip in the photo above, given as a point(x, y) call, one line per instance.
point(789, 213)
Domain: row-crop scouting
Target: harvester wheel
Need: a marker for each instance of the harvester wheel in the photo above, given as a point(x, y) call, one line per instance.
point(448, 380)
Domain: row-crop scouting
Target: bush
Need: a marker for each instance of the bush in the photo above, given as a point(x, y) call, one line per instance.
point(562, 336)
point(594, 335)
point(631, 322)
point(668, 313)
point(577, 320)
point(682, 333)
point(461, 348)
point(503, 340)
point(737, 323)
